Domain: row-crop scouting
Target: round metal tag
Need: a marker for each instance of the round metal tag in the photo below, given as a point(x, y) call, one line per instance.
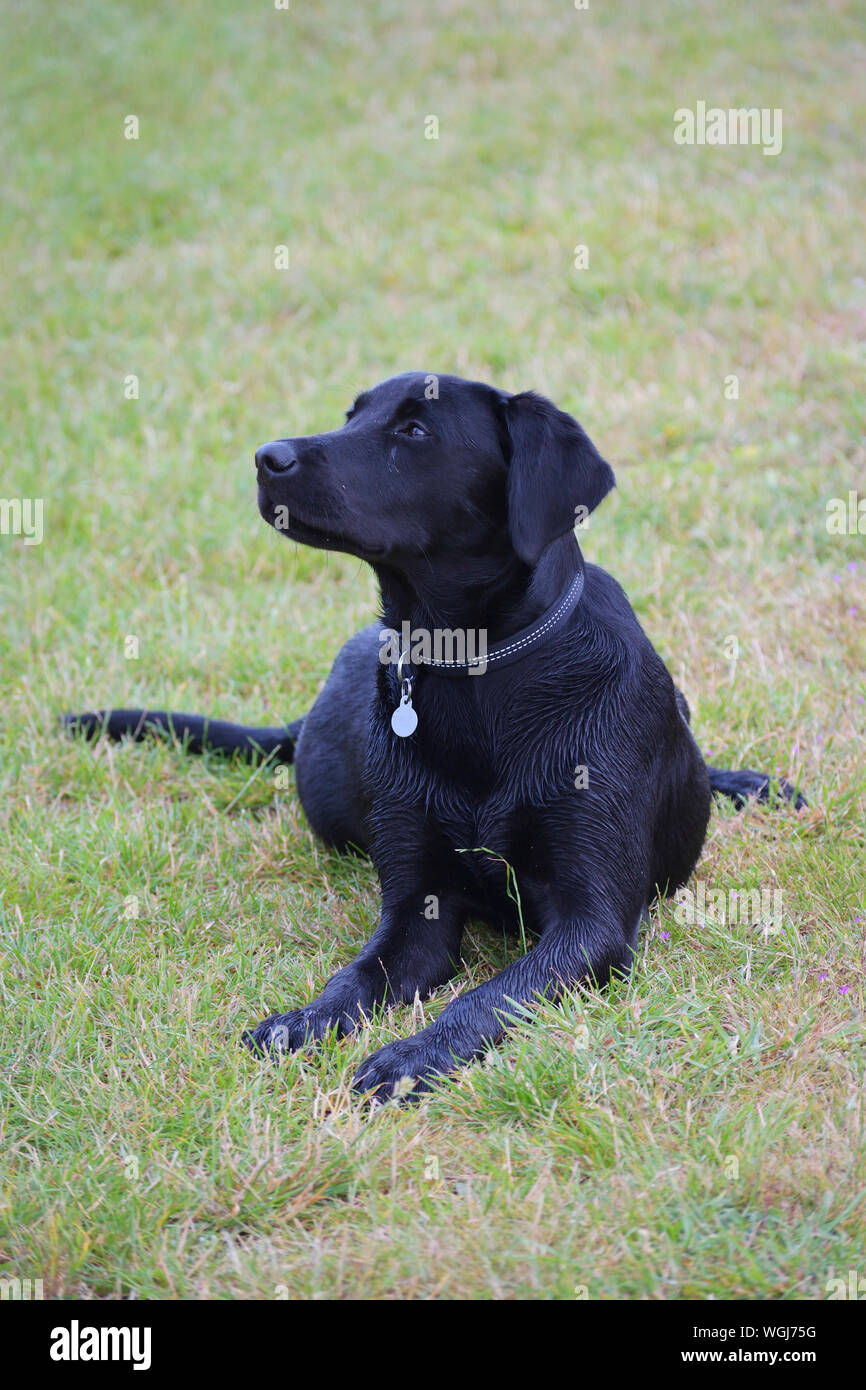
point(404, 720)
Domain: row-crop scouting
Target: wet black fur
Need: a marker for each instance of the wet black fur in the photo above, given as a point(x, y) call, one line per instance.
point(464, 504)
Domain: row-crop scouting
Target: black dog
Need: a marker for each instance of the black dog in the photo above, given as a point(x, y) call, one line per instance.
point(543, 732)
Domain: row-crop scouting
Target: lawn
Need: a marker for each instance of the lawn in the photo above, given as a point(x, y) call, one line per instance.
point(698, 1131)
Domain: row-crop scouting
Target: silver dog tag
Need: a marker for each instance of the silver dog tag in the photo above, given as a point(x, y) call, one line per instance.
point(404, 720)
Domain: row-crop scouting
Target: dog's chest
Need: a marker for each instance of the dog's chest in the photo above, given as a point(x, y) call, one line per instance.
point(476, 773)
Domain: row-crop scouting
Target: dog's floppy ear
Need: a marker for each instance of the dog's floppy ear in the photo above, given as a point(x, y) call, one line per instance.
point(555, 468)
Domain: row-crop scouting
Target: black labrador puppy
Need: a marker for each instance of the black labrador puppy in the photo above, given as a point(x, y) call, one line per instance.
point(507, 731)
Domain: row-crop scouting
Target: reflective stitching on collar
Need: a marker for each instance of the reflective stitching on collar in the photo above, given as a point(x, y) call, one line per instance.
point(527, 640)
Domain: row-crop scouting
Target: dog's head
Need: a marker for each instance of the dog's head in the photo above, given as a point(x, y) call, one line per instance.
point(434, 467)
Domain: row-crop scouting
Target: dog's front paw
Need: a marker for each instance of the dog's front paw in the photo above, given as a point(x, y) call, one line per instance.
point(281, 1033)
point(404, 1069)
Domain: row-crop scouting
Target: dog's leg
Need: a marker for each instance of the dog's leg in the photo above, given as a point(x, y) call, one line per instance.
point(407, 955)
point(195, 732)
point(583, 948)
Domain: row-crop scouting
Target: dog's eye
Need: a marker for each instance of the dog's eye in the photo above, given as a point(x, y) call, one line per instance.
point(414, 430)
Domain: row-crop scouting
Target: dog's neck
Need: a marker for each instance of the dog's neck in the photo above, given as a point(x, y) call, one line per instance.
point(470, 596)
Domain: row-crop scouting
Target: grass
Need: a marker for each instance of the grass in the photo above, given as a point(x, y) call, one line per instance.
point(698, 1131)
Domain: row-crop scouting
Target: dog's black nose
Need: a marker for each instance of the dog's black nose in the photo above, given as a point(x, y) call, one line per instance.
point(278, 457)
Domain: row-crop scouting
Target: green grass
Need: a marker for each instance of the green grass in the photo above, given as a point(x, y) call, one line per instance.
point(696, 1132)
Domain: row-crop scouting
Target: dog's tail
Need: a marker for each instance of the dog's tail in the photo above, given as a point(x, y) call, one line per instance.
point(742, 785)
point(195, 732)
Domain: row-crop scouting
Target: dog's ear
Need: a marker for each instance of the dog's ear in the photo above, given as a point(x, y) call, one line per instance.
point(555, 469)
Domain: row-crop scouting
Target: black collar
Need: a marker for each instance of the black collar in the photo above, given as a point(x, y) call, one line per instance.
point(404, 719)
point(522, 642)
